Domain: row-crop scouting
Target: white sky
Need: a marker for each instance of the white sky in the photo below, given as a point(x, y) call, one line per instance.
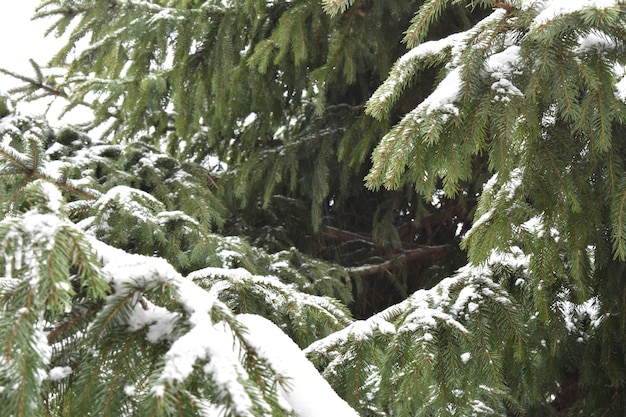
point(22, 39)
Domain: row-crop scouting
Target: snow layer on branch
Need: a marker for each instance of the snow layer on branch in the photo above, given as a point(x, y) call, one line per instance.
point(28, 240)
point(159, 321)
point(8, 129)
point(307, 392)
point(402, 70)
point(431, 306)
point(455, 299)
point(513, 258)
point(126, 271)
point(129, 199)
point(430, 48)
point(502, 66)
point(449, 89)
point(59, 372)
point(504, 63)
point(207, 342)
point(515, 180)
point(595, 42)
point(204, 342)
point(444, 96)
point(41, 347)
point(550, 10)
point(503, 195)
point(580, 318)
point(276, 293)
point(359, 330)
point(475, 37)
point(451, 302)
point(53, 196)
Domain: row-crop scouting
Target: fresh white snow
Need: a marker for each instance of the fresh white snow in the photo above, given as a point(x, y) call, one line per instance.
point(595, 42)
point(59, 372)
point(502, 66)
point(307, 392)
point(550, 10)
point(213, 345)
point(444, 96)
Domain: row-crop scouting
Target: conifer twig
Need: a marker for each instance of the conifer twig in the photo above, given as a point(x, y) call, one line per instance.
point(37, 84)
point(33, 173)
point(51, 336)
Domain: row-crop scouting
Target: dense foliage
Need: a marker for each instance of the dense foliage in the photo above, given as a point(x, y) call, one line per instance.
point(228, 183)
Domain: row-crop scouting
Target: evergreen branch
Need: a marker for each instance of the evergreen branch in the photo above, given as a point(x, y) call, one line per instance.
point(460, 348)
point(62, 327)
point(405, 69)
point(619, 245)
point(113, 312)
point(119, 371)
point(14, 156)
point(38, 84)
point(8, 353)
point(28, 177)
point(612, 171)
point(32, 172)
point(420, 24)
point(389, 156)
point(17, 192)
point(559, 174)
point(569, 100)
point(538, 73)
point(333, 7)
point(94, 377)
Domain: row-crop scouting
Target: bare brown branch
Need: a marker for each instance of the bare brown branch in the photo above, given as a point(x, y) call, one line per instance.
point(421, 254)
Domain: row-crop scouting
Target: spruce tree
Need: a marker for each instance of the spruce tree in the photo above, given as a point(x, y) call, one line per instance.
point(276, 91)
point(124, 295)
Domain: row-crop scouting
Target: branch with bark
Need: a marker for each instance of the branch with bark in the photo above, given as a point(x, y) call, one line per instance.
point(425, 254)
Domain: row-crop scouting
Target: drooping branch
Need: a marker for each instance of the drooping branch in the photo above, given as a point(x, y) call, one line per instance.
point(38, 84)
point(89, 309)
